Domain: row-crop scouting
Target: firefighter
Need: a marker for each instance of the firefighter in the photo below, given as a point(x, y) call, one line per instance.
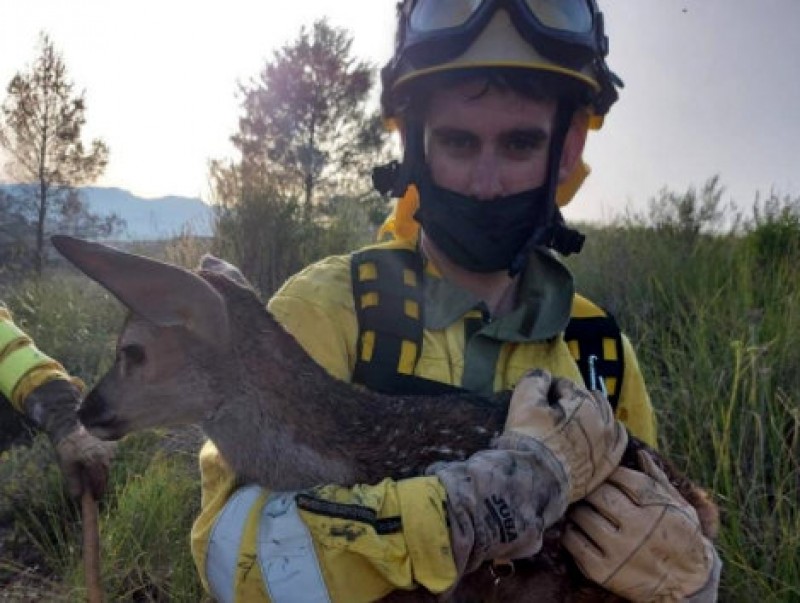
point(493, 100)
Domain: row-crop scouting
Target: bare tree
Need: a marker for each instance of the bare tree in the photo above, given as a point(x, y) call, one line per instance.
point(41, 121)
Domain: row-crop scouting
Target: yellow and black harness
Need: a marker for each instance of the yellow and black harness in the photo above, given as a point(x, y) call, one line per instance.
point(387, 289)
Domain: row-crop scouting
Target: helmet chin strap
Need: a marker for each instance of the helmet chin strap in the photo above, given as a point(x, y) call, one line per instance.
point(552, 231)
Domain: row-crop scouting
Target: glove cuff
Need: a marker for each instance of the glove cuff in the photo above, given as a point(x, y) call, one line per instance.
point(708, 592)
point(554, 463)
point(546, 460)
point(500, 502)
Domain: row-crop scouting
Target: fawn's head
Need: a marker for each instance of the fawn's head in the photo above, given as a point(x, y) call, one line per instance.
point(178, 324)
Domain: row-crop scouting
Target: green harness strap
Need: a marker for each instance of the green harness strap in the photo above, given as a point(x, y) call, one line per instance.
point(387, 290)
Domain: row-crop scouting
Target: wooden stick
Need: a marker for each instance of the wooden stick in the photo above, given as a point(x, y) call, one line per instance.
point(91, 547)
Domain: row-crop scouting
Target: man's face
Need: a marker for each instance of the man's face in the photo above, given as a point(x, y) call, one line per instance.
point(487, 143)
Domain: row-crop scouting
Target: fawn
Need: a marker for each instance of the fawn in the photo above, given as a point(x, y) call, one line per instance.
point(202, 348)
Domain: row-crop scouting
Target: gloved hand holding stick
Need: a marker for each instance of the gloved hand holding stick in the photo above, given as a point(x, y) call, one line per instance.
point(84, 461)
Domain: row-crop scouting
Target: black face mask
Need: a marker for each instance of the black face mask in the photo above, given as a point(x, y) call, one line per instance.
point(480, 236)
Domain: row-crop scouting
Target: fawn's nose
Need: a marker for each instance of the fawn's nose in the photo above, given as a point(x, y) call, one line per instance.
point(98, 418)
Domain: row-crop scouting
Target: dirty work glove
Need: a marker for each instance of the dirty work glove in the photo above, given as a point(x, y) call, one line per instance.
point(575, 425)
point(558, 441)
point(84, 460)
point(499, 503)
point(637, 537)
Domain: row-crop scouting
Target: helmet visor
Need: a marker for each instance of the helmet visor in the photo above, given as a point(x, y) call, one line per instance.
point(571, 16)
point(567, 32)
point(436, 15)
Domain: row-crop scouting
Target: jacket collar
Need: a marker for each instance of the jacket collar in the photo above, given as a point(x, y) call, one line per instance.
point(542, 311)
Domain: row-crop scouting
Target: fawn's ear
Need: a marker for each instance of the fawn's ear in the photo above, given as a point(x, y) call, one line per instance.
point(163, 294)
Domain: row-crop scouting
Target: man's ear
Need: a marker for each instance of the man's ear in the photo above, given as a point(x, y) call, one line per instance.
point(573, 144)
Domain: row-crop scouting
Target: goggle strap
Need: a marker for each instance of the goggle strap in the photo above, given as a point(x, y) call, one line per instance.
point(563, 239)
point(563, 120)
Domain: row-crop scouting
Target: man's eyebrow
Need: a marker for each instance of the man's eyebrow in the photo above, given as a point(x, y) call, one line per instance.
point(532, 134)
point(451, 130)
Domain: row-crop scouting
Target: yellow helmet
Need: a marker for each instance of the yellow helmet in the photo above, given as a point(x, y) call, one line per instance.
point(560, 37)
point(562, 40)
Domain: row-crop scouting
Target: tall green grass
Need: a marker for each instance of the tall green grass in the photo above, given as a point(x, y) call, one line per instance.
point(70, 318)
point(715, 319)
point(145, 519)
point(145, 534)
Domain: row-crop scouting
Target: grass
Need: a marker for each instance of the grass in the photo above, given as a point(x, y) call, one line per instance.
point(69, 318)
point(715, 322)
point(38, 520)
point(715, 319)
point(145, 519)
point(145, 535)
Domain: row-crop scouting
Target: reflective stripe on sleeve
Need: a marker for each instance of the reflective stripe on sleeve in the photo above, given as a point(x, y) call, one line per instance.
point(286, 555)
point(16, 364)
point(288, 560)
point(9, 332)
point(225, 541)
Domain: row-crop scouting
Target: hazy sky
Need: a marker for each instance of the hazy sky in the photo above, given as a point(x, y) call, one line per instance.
point(711, 86)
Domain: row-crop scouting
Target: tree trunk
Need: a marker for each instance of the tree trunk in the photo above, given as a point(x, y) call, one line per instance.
point(309, 179)
point(39, 258)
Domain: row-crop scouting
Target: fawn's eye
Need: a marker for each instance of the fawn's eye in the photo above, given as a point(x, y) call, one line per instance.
point(132, 354)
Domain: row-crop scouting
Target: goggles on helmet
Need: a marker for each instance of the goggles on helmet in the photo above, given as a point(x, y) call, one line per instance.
point(567, 32)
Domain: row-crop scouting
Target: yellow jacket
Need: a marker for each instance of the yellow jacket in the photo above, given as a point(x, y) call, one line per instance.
point(360, 543)
point(23, 367)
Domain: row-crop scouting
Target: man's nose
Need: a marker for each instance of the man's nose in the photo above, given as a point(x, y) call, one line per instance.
point(485, 178)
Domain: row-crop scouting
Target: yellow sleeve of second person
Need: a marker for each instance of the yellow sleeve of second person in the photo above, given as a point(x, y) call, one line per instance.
point(23, 367)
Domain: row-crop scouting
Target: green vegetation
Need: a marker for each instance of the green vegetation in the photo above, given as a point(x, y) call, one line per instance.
point(144, 525)
point(715, 321)
point(145, 531)
point(308, 137)
point(712, 310)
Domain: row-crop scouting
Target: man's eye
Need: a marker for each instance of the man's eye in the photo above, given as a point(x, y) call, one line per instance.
point(523, 143)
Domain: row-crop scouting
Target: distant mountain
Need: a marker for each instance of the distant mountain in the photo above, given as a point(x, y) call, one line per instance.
point(157, 218)
point(147, 219)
